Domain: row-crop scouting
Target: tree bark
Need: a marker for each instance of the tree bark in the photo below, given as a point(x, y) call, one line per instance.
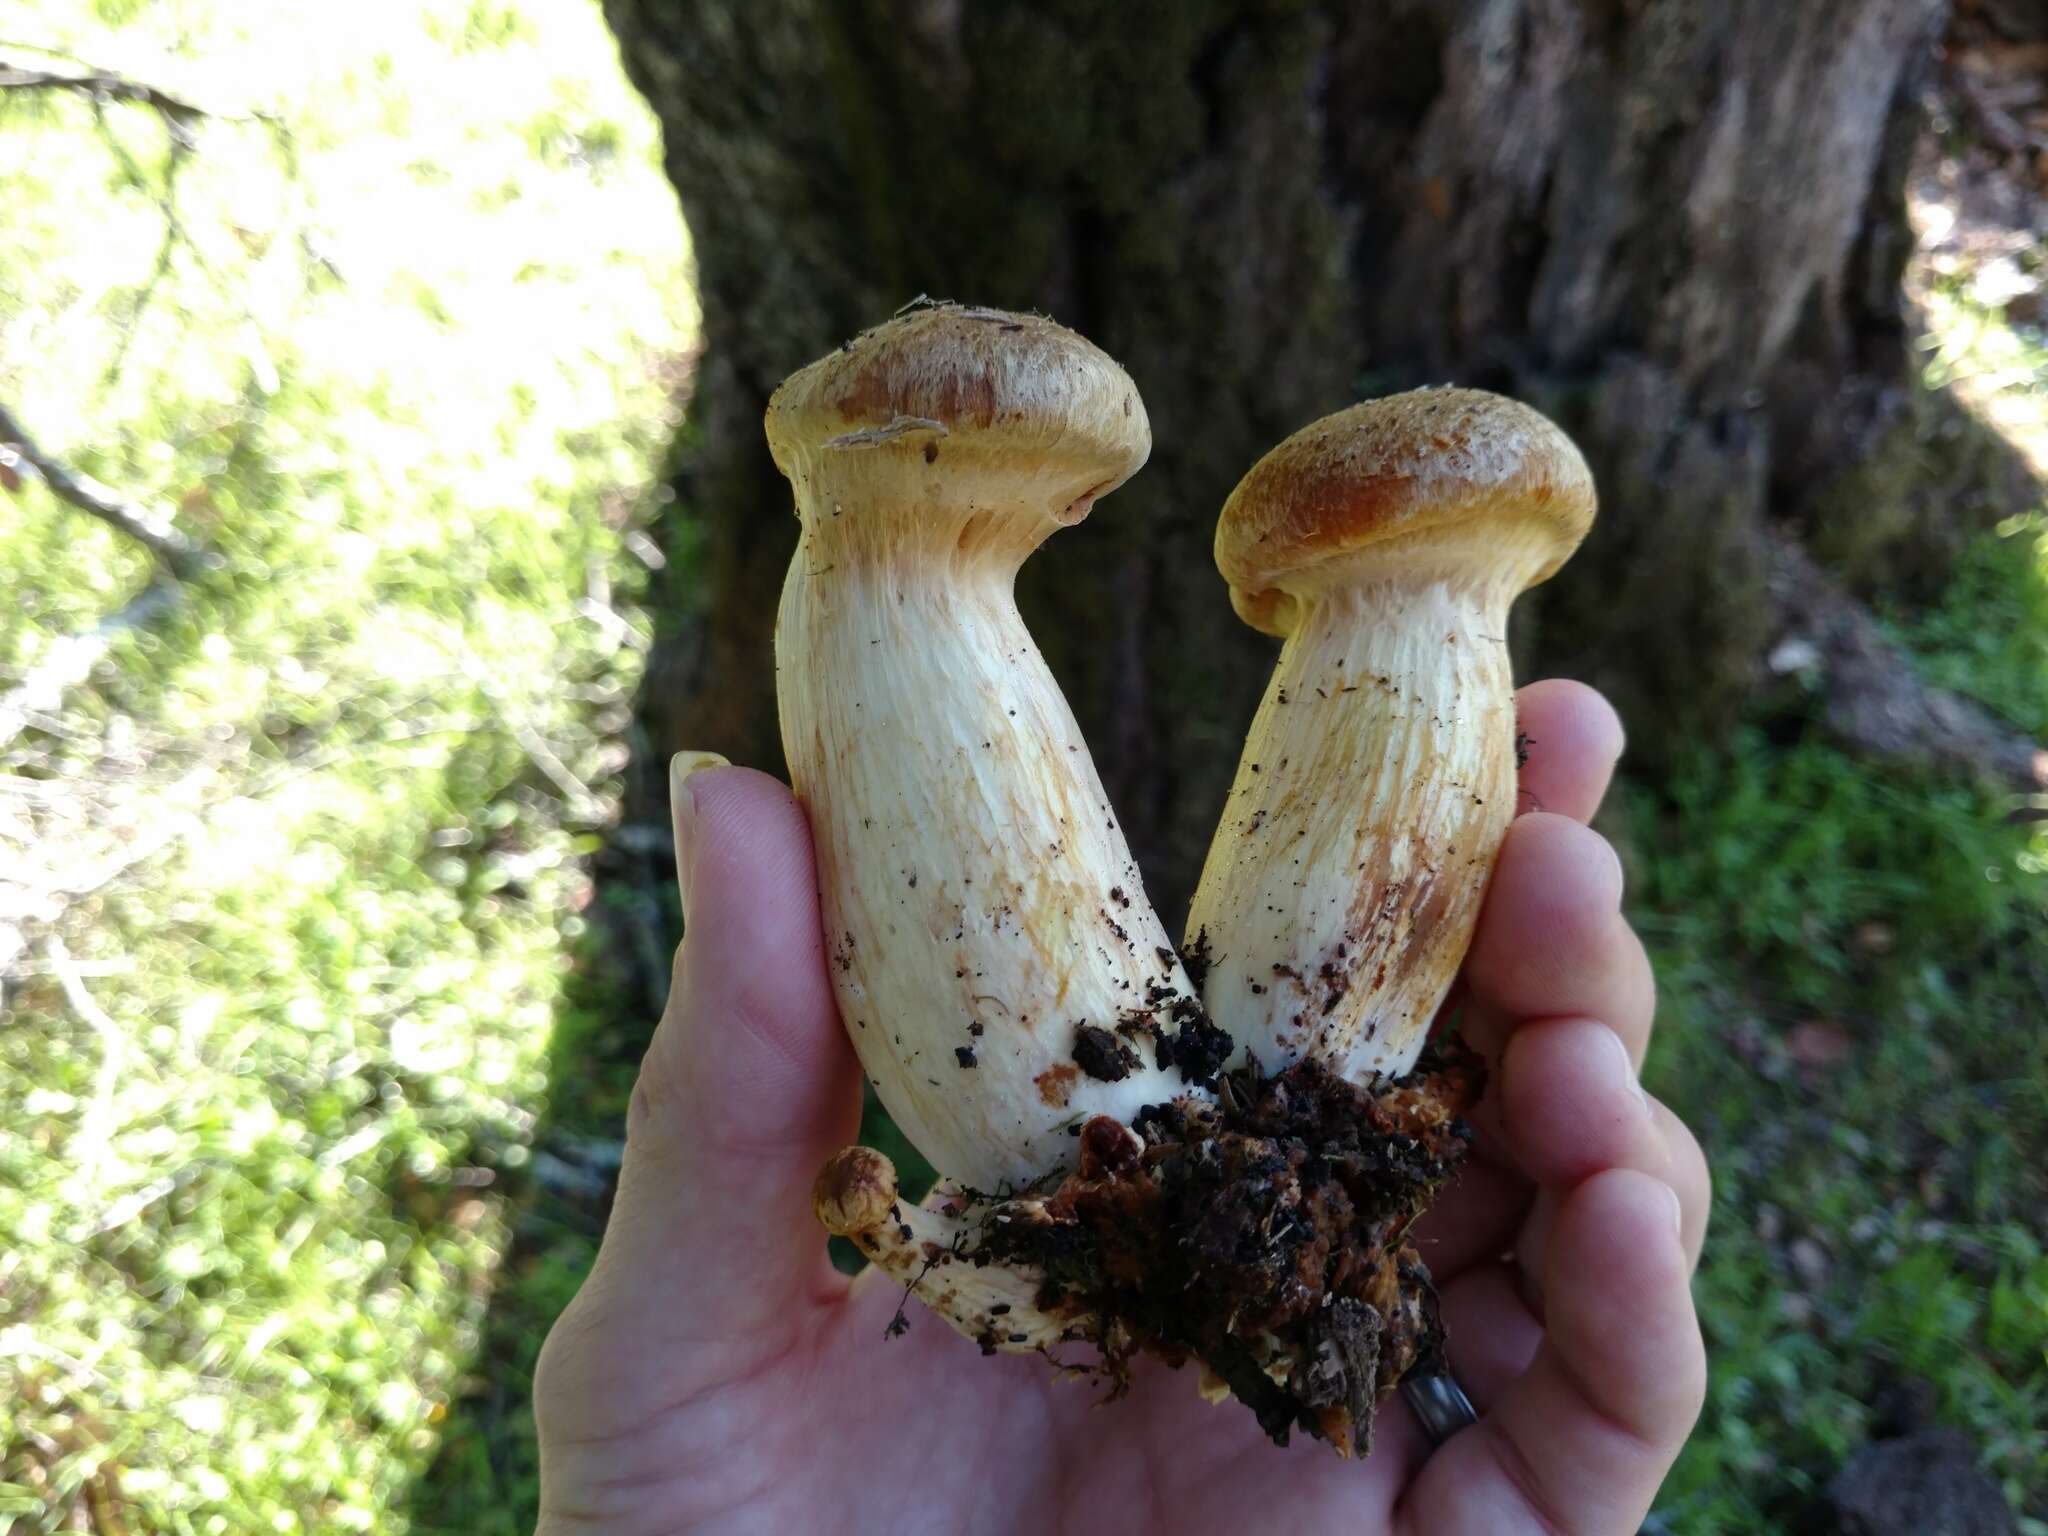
point(1678, 228)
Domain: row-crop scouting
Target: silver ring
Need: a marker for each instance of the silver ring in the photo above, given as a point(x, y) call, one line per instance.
point(1440, 1406)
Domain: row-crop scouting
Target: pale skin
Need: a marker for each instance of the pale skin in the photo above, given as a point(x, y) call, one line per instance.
point(715, 1374)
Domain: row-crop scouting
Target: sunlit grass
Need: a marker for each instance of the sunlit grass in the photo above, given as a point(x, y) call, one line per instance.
point(410, 369)
point(1996, 367)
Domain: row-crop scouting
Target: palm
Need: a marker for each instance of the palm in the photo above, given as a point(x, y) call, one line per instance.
point(919, 1433)
point(716, 1374)
point(824, 1406)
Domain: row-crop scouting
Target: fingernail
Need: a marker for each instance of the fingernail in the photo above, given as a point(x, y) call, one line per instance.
point(682, 809)
point(1620, 869)
point(1628, 1067)
point(1677, 1212)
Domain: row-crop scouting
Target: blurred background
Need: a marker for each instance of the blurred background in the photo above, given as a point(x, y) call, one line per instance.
point(382, 499)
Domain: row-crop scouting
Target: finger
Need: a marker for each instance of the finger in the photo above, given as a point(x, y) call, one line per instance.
point(1687, 1172)
point(1490, 1336)
point(1551, 940)
point(1669, 1153)
point(1570, 1104)
point(1568, 738)
point(1582, 1439)
point(749, 1084)
point(1563, 1105)
point(1569, 1107)
point(1475, 1220)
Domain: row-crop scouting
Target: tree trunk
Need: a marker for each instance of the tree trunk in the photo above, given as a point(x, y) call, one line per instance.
point(1678, 228)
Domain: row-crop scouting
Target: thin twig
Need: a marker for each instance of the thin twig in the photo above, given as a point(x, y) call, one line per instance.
point(102, 85)
point(181, 143)
point(17, 1343)
point(581, 803)
point(65, 893)
point(167, 247)
point(131, 1205)
point(18, 45)
point(180, 554)
point(79, 968)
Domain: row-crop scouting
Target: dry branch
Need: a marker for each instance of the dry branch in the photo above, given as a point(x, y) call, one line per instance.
point(102, 85)
point(71, 659)
point(179, 554)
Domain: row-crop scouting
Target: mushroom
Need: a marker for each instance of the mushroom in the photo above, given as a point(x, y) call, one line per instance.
point(1385, 545)
point(995, 961)
point(930, 1248)
point(1008, 989)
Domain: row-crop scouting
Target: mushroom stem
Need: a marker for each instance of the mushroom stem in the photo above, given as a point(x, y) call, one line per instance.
point(1334, 914)
point(1386, 544)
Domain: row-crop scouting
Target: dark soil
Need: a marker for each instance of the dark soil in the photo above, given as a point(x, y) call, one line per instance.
point(1264, 1233)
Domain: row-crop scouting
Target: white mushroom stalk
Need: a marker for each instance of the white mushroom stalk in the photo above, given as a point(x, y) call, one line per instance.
point(996, 963)
point(1385, 543)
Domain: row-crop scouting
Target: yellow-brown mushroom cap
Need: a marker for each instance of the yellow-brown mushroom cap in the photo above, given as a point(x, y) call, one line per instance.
point(961, 387)
point(854, 1191)
point(1472, 476)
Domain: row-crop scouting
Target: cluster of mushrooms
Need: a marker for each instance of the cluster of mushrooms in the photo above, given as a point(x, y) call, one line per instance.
point(1213, 1154)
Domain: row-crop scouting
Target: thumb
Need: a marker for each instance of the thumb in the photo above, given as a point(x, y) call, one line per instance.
point(749, 1083)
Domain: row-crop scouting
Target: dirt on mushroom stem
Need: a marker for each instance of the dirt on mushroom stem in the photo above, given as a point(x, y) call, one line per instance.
point(1263, 1233)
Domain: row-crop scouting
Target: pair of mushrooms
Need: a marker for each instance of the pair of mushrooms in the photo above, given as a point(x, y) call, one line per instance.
point(1004, 981)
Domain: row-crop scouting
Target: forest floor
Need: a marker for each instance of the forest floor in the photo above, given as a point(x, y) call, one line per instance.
point(313, 1034)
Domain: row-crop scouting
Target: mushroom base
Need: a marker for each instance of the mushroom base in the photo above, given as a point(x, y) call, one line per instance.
point(1263, 1234)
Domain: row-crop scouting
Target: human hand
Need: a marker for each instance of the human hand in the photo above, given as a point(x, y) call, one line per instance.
point(715, 1373)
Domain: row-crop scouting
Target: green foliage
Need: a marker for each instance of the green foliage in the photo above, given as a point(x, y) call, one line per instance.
point(1852, 966)
point(1990, 638)
point(485, 1480)
point(407, 366)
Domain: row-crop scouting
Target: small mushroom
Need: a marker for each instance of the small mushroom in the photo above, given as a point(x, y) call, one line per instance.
point(929, 1247)
point(1385, 545)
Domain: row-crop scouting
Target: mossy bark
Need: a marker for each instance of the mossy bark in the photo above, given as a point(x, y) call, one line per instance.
point(1679, 228)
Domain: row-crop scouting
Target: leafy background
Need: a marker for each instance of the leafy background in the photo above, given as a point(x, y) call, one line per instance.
point(311, 1063)
point(409, 360)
